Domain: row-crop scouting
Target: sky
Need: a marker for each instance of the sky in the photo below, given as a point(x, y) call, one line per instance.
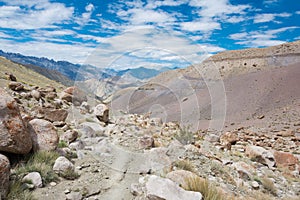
point(149, 33)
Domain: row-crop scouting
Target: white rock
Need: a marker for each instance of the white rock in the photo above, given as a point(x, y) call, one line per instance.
point(62, 164)
point(162, 188)
point(102, 113)
point(35, 178)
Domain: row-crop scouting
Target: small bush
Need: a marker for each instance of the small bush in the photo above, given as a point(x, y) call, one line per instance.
point(208, 191)
point(184, 165)
point(62, 144)
point(69, 175)
point(185, 136)
point(17, 191)
point(41, 162)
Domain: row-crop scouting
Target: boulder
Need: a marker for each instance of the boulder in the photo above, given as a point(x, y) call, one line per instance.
point(101, 111)
point(62, 165)
point(56, 115)
point(158, 188)
point(14, 137)
point(15, 86)
point(146, 142)
point(4, 176)
point(69, 136)
point(261, 155)
point(180, 177)
point(77, 95)
point(36, 94)
point(43, 134)
point(229, 138)
point(285, 159)
point(35, 179)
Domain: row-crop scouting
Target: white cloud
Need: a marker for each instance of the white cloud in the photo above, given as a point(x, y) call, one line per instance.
point(298, 12)
point(152, 4)
point(86, 16)
point(76, 53)
point(270, 1)
point(269, 17)
point(261, 38)
point(44, 15)
point(203, 26)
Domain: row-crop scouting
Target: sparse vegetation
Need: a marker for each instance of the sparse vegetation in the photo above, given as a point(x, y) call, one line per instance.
point(41, 162)
point(62, 144)
point(185, 136)
point(69, 175)
point(184, 165)
point(17, 191)
point(209, 191)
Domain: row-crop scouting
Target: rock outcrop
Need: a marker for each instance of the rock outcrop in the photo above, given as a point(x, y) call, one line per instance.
point(4, 176)
point(14, 137)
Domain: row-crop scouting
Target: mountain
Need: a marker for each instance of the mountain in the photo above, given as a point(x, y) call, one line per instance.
point(142, 72)
point(24, 74)
point(232, 86)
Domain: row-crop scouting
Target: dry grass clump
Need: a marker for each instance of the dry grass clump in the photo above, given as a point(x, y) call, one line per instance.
point(185, 136)
point(69, 174)
point(208, 190)
point(184, 165)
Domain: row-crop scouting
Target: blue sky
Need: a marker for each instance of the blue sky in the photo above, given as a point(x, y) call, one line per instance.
point(149, 33)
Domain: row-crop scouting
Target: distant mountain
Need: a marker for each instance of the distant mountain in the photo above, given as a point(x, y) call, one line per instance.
point(142, 72)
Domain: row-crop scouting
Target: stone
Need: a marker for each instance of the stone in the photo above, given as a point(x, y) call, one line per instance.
point(43, 134)
point(10, 76)
point(261, 155)
point(229, 138)
point(77, 95)
point(36, 94)
point(86, 131)
point(146, 142)
point(16, 86)
point(66, 97)
point(51, 95)
point(288, 133)
point(69, 136)
point(77, 145)
point(180, 177)
point(244, 170)
point(74, 196)
point(255, 185)
point(35, 179)
point(4, 176)
point(54, 115)
point(62, 165)
point(161, 188)
point(212, 138)
point(14, 137)
point(285, 160)
point(101, 111)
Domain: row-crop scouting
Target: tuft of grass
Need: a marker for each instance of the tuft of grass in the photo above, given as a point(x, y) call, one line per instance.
point(69, 174)
point(184, 165)
point(62, 144)
point(18, 191)
point(185, 136)
point(41, 162)
point(208, 191)
point(269, 185)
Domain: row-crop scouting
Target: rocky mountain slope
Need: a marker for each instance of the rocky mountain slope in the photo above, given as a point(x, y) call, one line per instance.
point(244, 87)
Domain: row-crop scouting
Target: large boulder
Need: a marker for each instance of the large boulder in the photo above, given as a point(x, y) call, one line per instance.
point(56, 115)
point(285, 160)
point(181, 176)
point(34, 178)
point(162, 188)
point(102, 113)
point(74, 94)
point(44, 135)
point(261, 155)
point(4, 176)
point(14, 137)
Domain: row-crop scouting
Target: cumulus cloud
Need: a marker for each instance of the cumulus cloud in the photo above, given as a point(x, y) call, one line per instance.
point(18, 15)
point(260, 38)
point(269, 17)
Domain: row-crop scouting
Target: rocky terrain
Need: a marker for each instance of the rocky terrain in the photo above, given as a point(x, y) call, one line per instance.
point(60, 143)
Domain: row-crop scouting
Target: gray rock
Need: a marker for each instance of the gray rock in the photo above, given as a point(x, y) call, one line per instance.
point(74, 196)
point(162, 188)
point(35, 178)
point(62, 165)
point(14, 137)
point(36, 94)
point(4, 176)
point(101, 111)
point(43, 134)
point(69, 136)
point(261, 155)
